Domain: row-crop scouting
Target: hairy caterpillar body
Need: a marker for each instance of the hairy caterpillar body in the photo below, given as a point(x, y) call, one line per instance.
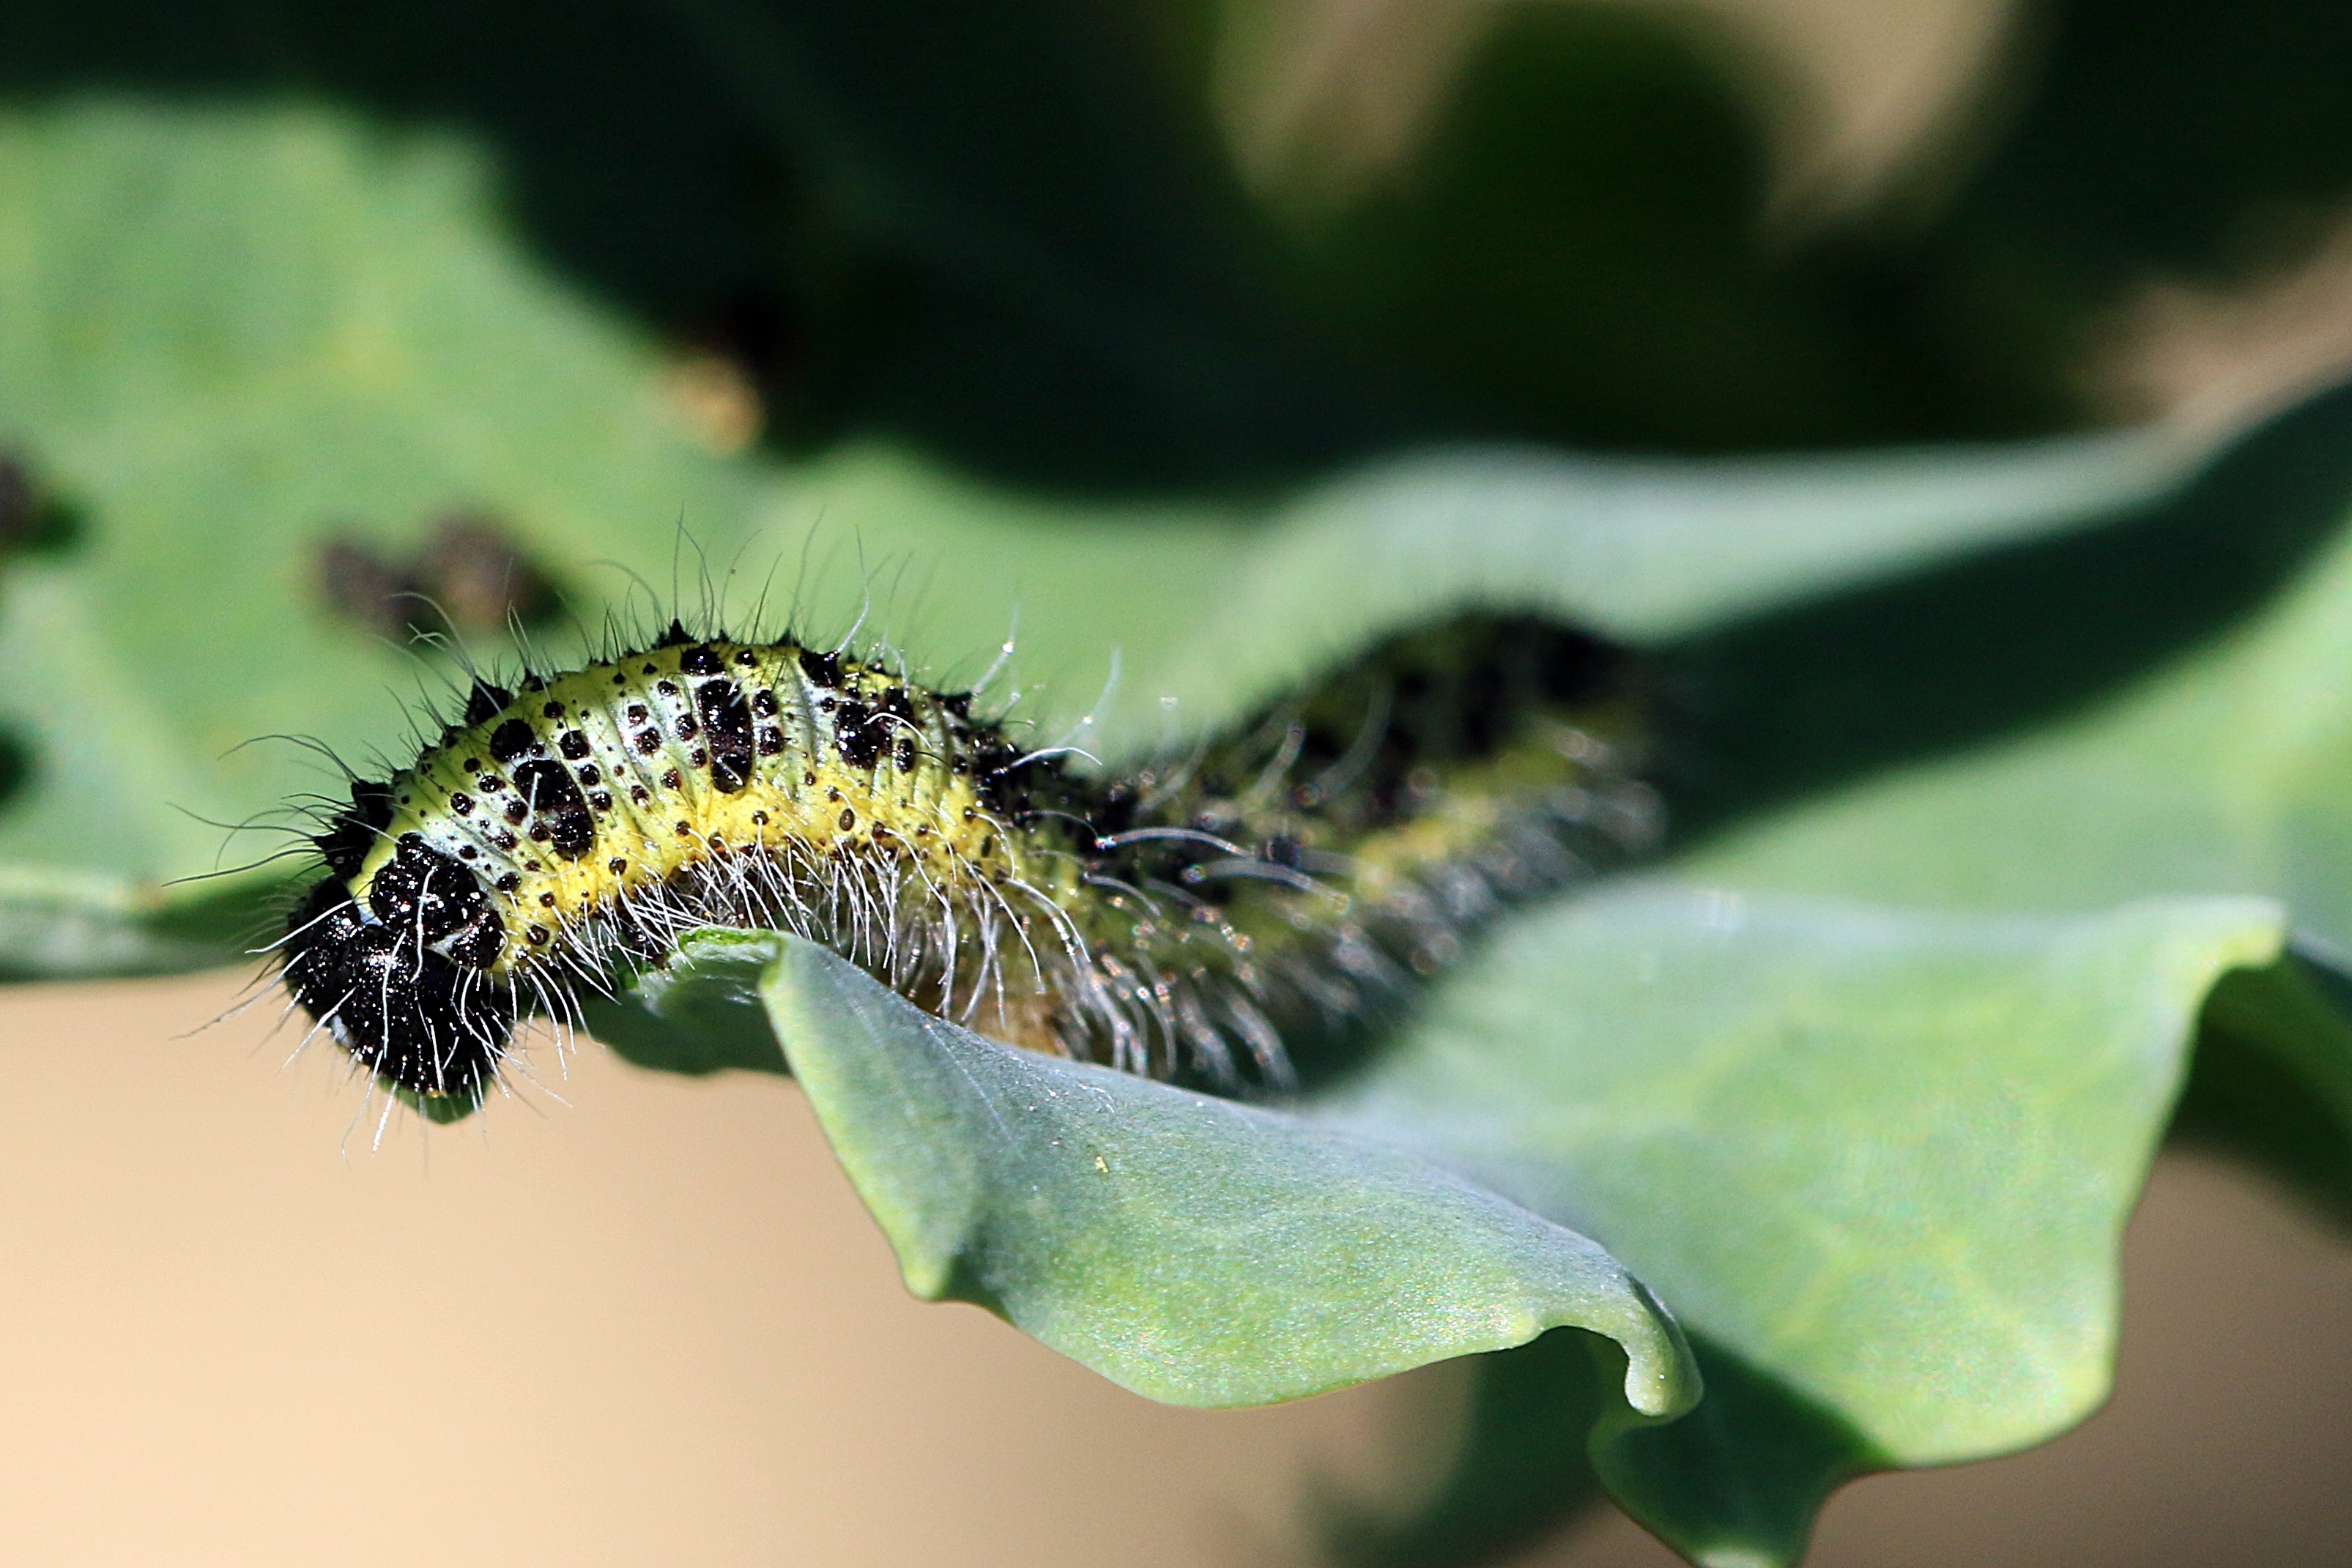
point(1207, 917)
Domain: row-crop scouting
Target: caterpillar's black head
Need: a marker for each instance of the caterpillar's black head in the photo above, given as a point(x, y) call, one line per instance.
point(398, 982)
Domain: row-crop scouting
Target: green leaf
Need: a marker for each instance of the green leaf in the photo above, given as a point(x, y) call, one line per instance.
point(1196, 1250)
point(1877, 1161)
point(1738, 1484)
point(1643, 551)
point(696, 1017)
point(2224, 766)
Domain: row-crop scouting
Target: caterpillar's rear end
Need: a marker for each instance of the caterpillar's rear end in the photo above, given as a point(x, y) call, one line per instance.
point(1343, 846)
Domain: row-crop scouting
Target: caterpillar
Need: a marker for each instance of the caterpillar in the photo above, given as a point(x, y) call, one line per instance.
point(1211, 917)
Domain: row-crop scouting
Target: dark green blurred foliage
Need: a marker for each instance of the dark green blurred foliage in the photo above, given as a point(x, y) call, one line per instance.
point(1521, 1470)
point(2169, 134)
point(1062, 272)
point(623, 165)
point(988, 229)
point(1013, 231)
point(1580, 253)
point(2269, 1083)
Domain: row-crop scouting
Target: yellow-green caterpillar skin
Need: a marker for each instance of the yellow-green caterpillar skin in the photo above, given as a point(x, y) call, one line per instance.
point(1192, 916)
point(611, 781)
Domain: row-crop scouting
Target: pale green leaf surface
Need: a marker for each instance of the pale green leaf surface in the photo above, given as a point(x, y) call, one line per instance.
point(1245, 603)
point(1192, 1248)
point(1882, 1158)
point(2227, 771)
point(1884, 1155)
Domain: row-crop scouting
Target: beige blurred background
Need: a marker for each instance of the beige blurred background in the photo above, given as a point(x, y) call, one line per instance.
point(652, 1324)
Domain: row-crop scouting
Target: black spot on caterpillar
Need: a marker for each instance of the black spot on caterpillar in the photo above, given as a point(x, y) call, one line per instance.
point(1208, 917)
